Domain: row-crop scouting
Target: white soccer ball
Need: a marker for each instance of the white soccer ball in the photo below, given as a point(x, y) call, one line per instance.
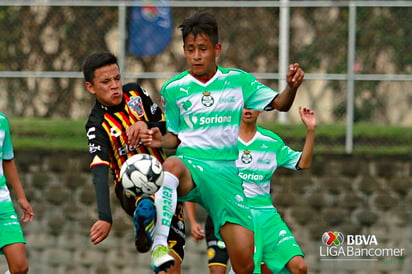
point(141, 175)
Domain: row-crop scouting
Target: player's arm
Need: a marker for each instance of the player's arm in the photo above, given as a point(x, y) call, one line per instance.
point(98, 147)
point(195, 228)
point(285, 99)
point(101, 228)
point(10, 171)
point(154, 138)
point(308, 118)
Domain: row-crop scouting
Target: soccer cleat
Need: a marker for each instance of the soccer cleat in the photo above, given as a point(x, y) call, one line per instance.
point(161, 260)
point(144, 219)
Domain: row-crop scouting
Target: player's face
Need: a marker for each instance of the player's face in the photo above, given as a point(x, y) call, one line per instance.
point(107, 85)
point(201, 56)
point(250, 116)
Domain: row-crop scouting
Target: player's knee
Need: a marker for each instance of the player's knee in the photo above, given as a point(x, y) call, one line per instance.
point(245, 268)
point(19, 269)
point(299, 267)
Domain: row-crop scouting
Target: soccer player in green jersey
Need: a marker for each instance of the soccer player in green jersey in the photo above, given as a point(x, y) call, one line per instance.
point(203, 108)
point(261, 152)
point(12, 242)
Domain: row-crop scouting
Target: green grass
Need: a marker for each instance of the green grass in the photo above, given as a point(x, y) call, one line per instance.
point(69, 135)
point(48, 134)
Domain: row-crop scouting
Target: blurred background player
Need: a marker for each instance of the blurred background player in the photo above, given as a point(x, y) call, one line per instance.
point(202, 103)
point(261, 152)
point(113, 127)
point(12, 242)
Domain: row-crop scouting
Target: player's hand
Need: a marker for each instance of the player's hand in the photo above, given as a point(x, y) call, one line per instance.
point(99, 231)
point(152, 137)
point(295, 75)
point(197, 232)
point(308, 117)
point(28, 214)
point(133, 133)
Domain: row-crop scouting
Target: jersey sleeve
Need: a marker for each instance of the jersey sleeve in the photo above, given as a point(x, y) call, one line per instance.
point(8, 153)
point(287, 157)
point(98, 143)
point(171, 110)
point(257, 95)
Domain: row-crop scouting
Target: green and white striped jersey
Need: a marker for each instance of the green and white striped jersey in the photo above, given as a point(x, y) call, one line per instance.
point(258, 160)
point(206, 116)
point(6, 152)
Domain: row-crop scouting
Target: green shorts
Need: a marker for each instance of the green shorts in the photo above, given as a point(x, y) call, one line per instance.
point(10, 229)
point(219, 190)
point(275, 244)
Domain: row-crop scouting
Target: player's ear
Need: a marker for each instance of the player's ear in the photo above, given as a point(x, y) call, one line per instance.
point(89, 87)
point(218, 49)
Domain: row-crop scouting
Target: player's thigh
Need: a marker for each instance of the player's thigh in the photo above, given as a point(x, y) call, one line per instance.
point(16, 257)
point(240, 246)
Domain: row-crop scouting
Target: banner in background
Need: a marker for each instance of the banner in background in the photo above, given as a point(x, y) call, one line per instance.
point(150, 29)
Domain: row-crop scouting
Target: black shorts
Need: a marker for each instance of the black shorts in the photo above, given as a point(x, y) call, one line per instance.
point(216, 250)
point(176, 237)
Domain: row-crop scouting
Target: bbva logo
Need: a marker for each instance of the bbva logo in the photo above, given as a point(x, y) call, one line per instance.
point(337, 238)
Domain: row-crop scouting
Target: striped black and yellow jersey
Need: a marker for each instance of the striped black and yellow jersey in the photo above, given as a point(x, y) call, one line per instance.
point(108, 146)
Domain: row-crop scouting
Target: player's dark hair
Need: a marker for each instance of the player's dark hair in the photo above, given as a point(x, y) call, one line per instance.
point(201, 22)
point(95, 61)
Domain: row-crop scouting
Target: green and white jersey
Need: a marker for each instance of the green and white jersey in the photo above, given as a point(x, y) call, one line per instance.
point(6, 152)
point(258, 159)
point(206, 116)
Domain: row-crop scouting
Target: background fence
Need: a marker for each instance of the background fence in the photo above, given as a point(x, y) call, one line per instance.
point(356, 54)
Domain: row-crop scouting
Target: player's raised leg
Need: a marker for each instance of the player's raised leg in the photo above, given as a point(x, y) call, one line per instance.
point(176, 175)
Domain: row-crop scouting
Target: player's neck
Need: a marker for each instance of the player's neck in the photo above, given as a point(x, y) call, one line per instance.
point(247, 131)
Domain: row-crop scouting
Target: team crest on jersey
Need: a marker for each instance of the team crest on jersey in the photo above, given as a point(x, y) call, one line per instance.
point(207, 99)
point(246, 157)
point(136, 104)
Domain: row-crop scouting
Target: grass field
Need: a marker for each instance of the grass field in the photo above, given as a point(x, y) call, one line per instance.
point(69, 135)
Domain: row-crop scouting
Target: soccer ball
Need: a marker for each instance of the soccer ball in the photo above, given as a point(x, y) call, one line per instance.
point(141, 175)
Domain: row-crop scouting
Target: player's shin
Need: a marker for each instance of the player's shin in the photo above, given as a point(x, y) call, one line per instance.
point(165, 201)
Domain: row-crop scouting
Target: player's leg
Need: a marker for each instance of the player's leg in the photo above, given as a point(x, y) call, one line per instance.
point(143, 212)
point(13, 242)
point(297, 265)
point(177, 240)
point(177, 179)
point(16, 258)
point(265, 269)
point(281, 252)
point(240, 246)
point(216, 250)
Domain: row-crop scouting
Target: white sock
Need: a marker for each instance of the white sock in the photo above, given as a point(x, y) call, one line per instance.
point(165, 201)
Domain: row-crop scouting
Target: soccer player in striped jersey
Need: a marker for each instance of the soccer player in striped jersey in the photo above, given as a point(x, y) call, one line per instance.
point(203, 108)
point(113, 127)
